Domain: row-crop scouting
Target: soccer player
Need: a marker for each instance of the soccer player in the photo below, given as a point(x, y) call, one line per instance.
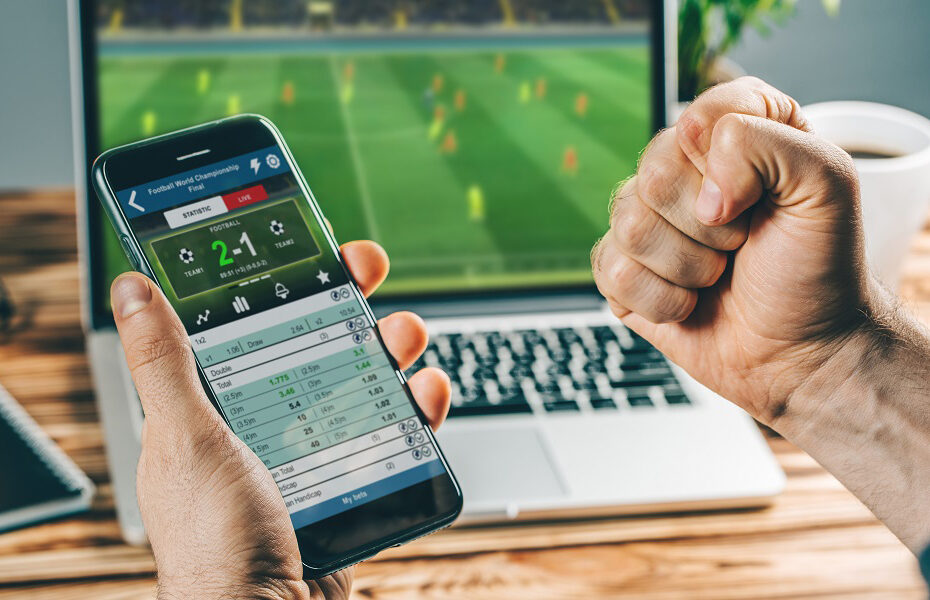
point(233, 105)
point(449, 143)
point(460, 100)
point(203, 81)
point(347, 89)
point(429, 98)
point(439, 121)
point(438, 81)
point(570, 160)
point(149, 122)
point(541, 88)
point(499, 63)
point(581, 104)
point(287, 93)
point(347, 92)
point(526, 93)
point(475, 198)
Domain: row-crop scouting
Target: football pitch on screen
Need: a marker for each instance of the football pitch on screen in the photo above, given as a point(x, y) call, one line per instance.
point(475, 169)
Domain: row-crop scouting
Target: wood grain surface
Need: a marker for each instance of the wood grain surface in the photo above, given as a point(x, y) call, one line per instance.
point(816, 541)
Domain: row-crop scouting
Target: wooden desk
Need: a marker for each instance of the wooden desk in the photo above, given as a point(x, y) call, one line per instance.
point(816, 541)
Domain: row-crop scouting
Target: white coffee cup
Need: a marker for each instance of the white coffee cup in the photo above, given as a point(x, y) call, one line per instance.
point(895, 191)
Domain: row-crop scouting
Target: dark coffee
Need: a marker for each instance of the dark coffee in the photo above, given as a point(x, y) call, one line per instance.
point(863, 153)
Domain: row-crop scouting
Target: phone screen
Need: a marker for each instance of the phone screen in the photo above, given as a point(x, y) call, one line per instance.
point(282, 337)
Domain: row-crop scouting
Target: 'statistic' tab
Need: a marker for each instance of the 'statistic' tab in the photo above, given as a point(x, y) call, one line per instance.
point(196, 211)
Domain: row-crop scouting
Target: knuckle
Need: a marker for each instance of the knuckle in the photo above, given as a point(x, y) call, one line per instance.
point(792, 114)
point(691, 128)
point(709, 269)
point(655, 180)
point(634, 228)
point(673, 306)
point(781, 107)
point(622, 274)
point(692, 269)
point(729, 132)
point(680, 268)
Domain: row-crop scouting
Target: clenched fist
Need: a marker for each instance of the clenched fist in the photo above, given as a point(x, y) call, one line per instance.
point(737, 250)
point(737, 247)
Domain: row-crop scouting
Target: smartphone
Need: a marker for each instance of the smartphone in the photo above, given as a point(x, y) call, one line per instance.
point(221, 218)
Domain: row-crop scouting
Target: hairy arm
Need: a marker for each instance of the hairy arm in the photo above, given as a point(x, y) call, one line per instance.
point(865, 416)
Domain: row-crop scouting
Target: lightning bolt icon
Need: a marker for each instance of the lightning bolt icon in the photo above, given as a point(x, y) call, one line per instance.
point(255, 164)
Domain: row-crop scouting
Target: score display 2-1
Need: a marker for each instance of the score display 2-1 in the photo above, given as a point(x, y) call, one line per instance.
point(203, 258)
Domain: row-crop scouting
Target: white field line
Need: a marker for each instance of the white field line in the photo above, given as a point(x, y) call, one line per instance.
point(360, 177)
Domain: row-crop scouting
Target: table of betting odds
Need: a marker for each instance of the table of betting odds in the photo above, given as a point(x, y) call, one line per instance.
point(312, 393)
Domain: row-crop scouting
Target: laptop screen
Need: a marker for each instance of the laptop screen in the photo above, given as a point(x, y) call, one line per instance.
point(478, 141)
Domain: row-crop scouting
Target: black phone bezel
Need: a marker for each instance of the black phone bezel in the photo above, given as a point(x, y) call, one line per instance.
point(141, 162)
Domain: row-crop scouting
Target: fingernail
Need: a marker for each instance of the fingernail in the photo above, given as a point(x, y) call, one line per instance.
point(709, 204)
point(130, 294)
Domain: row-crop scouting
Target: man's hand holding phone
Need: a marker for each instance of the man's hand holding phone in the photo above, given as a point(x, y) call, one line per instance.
point(213, 513)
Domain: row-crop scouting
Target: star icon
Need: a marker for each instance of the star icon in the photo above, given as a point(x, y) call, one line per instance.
point(323, 276)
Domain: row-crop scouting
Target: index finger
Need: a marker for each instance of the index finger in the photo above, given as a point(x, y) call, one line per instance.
point(368, 263)
point(747, 96)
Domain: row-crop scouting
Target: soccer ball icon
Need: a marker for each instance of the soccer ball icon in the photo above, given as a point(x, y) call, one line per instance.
point(277, 227)
point(186, 256)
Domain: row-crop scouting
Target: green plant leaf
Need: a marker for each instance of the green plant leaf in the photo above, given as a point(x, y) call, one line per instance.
point(708, 29)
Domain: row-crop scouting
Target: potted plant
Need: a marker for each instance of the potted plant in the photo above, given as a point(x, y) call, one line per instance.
point(708, 29)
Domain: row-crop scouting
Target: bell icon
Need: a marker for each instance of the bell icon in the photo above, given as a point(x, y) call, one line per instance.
point(280, 291)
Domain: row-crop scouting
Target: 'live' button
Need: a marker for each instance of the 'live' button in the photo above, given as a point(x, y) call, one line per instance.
point(249, 195)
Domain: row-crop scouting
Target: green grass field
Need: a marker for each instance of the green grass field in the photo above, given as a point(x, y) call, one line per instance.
point(480, 198)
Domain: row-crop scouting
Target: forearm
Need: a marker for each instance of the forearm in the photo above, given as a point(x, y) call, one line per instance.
point(865, 416)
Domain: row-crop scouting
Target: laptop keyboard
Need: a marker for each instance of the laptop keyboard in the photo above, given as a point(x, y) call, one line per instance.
point(569, 369)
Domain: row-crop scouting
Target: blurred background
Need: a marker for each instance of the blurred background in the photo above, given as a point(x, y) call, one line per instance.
point(868, 51)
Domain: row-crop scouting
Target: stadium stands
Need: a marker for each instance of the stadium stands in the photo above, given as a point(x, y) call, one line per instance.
point(380, 14)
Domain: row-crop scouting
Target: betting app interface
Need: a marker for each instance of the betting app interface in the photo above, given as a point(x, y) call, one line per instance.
point(282, 338)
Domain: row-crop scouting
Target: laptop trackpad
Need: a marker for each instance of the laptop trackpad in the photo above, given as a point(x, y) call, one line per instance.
point(500, 466)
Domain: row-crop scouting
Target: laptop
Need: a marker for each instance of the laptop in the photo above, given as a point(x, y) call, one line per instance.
point(478, 142)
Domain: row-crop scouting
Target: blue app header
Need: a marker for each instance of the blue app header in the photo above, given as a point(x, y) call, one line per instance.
point(203, 181)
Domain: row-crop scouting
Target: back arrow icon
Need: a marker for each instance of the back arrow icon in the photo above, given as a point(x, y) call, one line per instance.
point(132, 202)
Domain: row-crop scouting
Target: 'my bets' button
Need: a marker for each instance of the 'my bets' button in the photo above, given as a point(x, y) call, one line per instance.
point(249, 195)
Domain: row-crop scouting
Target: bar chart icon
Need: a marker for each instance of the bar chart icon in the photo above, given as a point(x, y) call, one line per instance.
point(240, 304)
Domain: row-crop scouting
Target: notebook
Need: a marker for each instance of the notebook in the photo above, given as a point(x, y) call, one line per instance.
point(37, 480)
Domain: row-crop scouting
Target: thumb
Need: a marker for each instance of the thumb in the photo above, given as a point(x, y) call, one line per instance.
point(158, 353)
point(751, 158)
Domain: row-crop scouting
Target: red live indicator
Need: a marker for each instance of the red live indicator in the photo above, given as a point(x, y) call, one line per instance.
point(250, 195)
